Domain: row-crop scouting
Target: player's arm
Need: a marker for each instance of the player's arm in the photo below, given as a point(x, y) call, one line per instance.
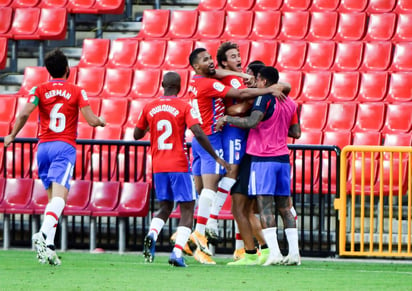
point(275, 90)
point(205, 143)
point(294, 128)
point(91, 118)
point(285, 87)
point(243, 122)
point(240, 108)
point(222, 73)
point(20, 122)
point(138, 133)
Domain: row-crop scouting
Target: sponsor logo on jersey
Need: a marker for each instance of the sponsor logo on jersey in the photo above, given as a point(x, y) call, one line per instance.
point(235, 83)
point(218, 86)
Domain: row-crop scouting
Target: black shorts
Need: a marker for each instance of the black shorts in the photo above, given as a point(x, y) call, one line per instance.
point(242, 182)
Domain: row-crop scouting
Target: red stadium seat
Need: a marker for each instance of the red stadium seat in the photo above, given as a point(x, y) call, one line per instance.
point(351, 26)
point(370, 117)
point(114, 111)
point(403, 27)
point(94, 52)
point(155, 23)
point(8, 108)
point(348, 56)
point(373, 138)
point(123, 53)
point(6, 16)
point(177, 53)
point(118, 82)
point(212, 4)
point(266, 25)
point(264, 51)
point(78, 198)
point(402, 58)
point(353, 5)
point(341, 116)
point(33, 118)
point(33, 76)
point(146, 83)
point(24, 3)
point(403, 6)
point(234, 5)
point(17, 195)
point(323, 25)
point(184, 80)
point(110, 6)
point(104, 197)
point(398, 118)
point(151, 54)
point(293, 5)
point(313, 116)
point(95, 104)
point(316, 86)
point(82, 6)
point(52, 24)
point(72, 75)
point(244, 50)
point(380, 6)
point(324, 5)
point(377, 56)
point(238, 25)
point(25, 23)
point(294, 78)
point(295, 25)
point(291, 55)
point(320, 55)
point(91, 79)
point(265, 5)
point(381, 27)
point(135, 108)
point(211, 45)
point(134, 200)
point(53, 3)
point(345, 86)
point(5, 3)
point(207, 31)
point(400, 87)
point(39, 199)
point(2, 185)
point(183, 24)
point(373, 86)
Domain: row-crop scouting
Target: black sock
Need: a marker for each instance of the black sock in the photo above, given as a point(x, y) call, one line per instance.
point(251, 252)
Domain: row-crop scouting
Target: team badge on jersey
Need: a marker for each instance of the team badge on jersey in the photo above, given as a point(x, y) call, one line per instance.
point(235, 83)
point(218, 86)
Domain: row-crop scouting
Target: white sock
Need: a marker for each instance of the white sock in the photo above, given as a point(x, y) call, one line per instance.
point(182, 237)
point(292, 237)
point(156, 227)
point(239, 244)
point(295, 215)
point(52, 213)
point(203, 212)
point(51, 235)
point(223, 189)
point(271, 239)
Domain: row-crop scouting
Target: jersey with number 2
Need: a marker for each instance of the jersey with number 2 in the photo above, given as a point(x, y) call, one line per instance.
point(59, 103)
point(168, 118)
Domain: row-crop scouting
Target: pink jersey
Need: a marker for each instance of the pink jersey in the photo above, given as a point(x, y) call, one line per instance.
point(59, 104)
point(207, 97)
point(168, 117)
point(234, 82)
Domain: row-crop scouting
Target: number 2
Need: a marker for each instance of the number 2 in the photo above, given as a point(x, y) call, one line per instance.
point(166, 126)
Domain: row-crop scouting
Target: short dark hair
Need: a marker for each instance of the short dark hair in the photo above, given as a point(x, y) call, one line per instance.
point(221, 52)
point(194, 54)
point(255, 68)
point(56, 63)
point(270, 74)
point(257, 62)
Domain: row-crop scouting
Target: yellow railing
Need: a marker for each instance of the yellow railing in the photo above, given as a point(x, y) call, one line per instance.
point(375, 201)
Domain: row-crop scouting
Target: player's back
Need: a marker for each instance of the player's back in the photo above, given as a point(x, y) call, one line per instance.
point(168, 118)
point(59, 103)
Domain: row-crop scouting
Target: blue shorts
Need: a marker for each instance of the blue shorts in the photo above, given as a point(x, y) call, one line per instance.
point(203, 162)
point(177, 187)
point(234, 144)
point(269, 178)
point(56, 161)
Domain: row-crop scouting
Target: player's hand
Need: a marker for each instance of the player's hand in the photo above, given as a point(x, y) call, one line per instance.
point(224, 164)
point(277, 92)
point(103, 121)
point(249, 80)
point(8, 140)
point(220, 123)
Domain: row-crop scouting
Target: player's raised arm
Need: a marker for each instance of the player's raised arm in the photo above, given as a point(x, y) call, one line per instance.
point(20, 122)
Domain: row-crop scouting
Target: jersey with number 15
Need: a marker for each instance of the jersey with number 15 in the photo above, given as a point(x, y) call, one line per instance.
point(168, 117)
point(59, 103)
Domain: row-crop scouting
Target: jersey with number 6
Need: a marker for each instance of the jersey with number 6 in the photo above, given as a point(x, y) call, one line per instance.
point(59, 103)
point(168, 117)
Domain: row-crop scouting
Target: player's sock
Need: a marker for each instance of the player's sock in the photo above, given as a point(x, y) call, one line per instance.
point(239, 244)
point(272, 240)
point(51, 235)
point(292, 237)
point(295, 215)
point(223, 189)
point(205, 203)
point(156, 227)
point(52, 213)
point(182, 237)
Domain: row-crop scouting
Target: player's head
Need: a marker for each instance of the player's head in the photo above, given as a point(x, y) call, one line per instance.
point(253, 69)
point(228, 57)
point(171, 83)
point(267, 76)
point(256, 62)
point(57, 64)
point(202, 62)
